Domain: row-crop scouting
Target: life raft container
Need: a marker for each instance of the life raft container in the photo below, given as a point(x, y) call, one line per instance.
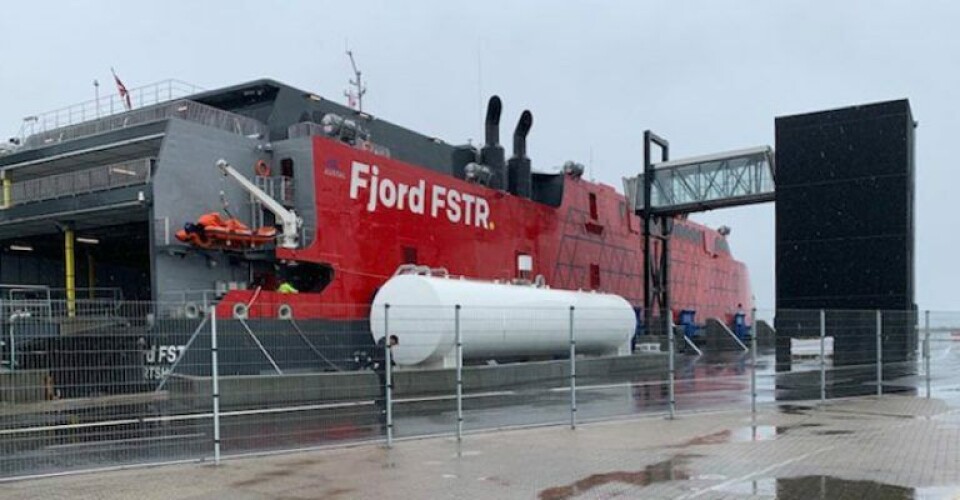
point(213, 231)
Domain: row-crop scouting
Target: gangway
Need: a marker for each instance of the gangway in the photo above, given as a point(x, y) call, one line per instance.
point(680, 187)
point(698, 184)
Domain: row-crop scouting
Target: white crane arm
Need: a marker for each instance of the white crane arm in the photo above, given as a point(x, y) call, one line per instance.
point(288, 218)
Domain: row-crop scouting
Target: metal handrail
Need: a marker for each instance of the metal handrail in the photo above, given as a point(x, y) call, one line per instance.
point(106, 105)
point(89, 180)
point(184, 109)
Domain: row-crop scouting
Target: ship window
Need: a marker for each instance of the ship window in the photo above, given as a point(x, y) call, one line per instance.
point(286, 167)
point(593, 206)
point(594, 277)
point(524, 265)
point(409, 255)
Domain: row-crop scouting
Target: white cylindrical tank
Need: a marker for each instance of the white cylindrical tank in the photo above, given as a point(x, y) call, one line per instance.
point(496, 320)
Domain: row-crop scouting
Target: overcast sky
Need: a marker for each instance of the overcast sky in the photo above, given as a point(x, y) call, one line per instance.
point(709, 76)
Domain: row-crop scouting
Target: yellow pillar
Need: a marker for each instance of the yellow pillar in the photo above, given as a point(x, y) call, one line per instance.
point(71, 278)
point(7, 191)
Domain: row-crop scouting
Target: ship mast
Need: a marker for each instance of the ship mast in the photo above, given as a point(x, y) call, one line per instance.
point(355, 96)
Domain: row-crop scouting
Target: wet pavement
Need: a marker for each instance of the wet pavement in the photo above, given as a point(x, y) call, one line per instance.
point(895, 447)
point(721, 380)
point(900, 446)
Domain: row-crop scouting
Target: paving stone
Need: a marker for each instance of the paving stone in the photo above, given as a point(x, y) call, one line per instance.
point(889, 447)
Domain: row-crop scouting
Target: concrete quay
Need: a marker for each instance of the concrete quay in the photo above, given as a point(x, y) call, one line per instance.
point(894, 447)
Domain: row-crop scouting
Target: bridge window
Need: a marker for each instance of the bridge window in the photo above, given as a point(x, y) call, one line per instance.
point(594, 277)
point(593, 206)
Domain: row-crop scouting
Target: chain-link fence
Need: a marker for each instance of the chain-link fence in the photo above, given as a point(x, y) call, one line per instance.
point(130, 383)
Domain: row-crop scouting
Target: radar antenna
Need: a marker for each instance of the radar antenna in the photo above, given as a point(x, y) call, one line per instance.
point(355, 96)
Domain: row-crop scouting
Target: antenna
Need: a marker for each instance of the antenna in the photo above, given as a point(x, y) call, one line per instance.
point(355, 96)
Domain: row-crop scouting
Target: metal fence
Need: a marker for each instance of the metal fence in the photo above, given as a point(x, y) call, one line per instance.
point(142, 382)
point(183, 109)
point(104, 106)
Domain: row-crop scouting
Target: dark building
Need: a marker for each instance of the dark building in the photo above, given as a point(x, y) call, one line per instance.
point(845, 228)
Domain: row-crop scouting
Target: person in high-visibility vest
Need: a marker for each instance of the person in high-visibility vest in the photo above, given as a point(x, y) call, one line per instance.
point(286, 287)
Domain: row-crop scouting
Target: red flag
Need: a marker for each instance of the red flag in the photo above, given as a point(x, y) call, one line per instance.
point(122, 90)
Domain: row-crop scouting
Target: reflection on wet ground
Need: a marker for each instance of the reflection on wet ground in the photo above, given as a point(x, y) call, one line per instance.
point(833, 432)
point(745, 434)
point(672, 469)
point(794, 409)
point(830, 487)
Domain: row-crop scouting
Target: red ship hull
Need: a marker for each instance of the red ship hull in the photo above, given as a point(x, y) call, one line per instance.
point(374, 213)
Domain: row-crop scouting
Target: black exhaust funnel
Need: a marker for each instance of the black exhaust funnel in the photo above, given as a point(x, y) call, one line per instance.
point(492, 154)
point(520, 172)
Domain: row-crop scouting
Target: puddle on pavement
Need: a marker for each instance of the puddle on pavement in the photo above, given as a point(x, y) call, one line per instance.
point(829, 487)
point(262, 477)
point(794, 409)
point(744, 434)
point(832, 432)
point(672, 469)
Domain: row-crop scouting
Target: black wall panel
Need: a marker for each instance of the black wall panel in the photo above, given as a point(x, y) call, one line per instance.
point(844, 208)
point(844, 217)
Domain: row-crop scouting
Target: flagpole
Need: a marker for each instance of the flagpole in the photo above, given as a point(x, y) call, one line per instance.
point(96, 91)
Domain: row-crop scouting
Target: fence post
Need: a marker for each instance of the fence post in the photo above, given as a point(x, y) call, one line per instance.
point(879, 354)
point(459, 341)
point(823, 355)
point(215, 376)
point(389, 379)
point(671, 366)
point(13, 344)
point(926, 348)
point(573, 374)
point(753, 362)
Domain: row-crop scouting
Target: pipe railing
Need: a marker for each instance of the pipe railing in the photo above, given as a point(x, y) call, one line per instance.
point(105, 105)
point(101, 178)
point(184, 109)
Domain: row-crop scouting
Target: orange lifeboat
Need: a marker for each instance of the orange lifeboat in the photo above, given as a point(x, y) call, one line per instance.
point(214, 231)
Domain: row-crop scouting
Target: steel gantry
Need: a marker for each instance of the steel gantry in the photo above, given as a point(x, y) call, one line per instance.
point(678, 187)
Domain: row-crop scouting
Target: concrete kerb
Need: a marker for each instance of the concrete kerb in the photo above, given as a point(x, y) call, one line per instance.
point(246, 391)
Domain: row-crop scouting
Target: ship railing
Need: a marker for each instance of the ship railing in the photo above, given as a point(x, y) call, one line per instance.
point(310, 129)
point(39, 301)
point(105, 106)
point(87, 301)
point(279, 187)
point(184, 109)
point(25, 300)
point(101, 178)
point(101, 293)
